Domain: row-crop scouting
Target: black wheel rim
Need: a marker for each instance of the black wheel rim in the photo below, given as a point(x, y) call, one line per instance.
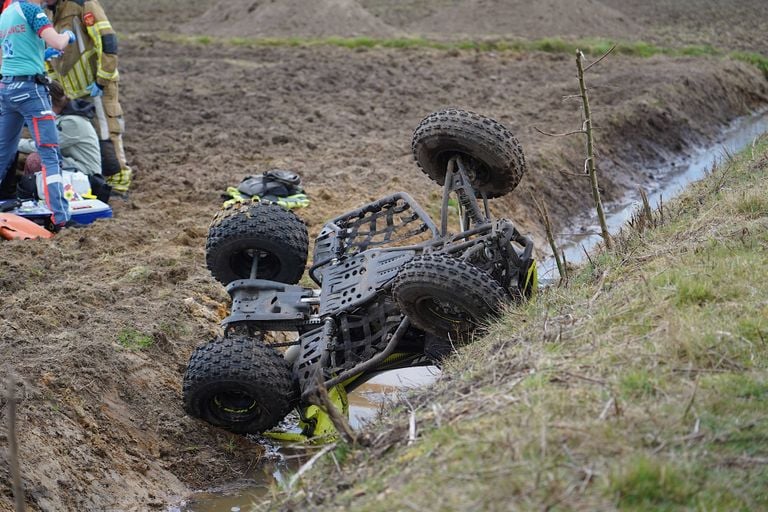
point(268, 267)
point(235, 405)
point(443, 310)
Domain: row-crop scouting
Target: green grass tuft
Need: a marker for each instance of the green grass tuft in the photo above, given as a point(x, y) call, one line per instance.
point(554, 46)
point(753, 204)
point(648, 484)
point(637, 384)
point(756, 59)
point(133, 339)
point(692, 290)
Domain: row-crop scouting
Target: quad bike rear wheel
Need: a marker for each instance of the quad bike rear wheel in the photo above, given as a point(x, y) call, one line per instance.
point(490, 152)
point(447, 297)
point(238, 383)
point(244, 231)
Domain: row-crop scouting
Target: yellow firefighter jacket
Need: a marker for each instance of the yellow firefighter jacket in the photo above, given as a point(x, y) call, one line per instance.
point(93, 57)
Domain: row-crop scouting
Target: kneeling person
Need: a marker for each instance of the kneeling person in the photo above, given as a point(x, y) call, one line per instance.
point(78, 141)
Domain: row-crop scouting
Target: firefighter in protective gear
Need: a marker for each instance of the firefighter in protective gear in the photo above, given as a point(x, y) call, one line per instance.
point(89, 70)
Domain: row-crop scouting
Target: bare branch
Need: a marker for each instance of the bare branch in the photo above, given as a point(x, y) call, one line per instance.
point(606, 408)
point(573, 174)
point(541, 208)
point(412, 428)
point(575, 132)
point(647, 207)
point(600, 284)
point(589, 163)
point(601, 58)
point(322, 400)
point(311, 462)
point(565, 266)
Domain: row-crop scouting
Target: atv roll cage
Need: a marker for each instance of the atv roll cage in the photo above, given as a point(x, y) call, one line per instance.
point(356, 327)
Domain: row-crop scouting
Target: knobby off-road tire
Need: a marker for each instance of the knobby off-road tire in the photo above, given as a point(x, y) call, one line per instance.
point(239, 384)
point(490, 151)
point(242, 230)
point(447, 297)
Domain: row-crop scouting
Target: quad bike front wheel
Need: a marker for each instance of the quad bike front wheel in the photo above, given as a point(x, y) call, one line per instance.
point(239, 384)
point(447, 297)
point(491, 154)
point(244, 231)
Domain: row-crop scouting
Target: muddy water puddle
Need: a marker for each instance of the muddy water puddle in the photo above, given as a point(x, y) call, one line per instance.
point(670, 180)
point(365, 403)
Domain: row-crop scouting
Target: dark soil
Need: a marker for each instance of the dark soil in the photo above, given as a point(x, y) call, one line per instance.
point(734, 24)
point(100, 322)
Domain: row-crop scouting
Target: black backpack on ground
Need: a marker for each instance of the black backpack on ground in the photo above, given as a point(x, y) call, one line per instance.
point(277, 182)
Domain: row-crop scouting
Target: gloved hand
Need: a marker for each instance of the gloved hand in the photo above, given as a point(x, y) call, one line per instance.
point(95, 89)
point(52, 53)
point(71, 36)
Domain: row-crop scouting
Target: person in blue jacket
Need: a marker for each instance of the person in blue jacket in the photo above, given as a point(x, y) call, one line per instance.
point(24, 32)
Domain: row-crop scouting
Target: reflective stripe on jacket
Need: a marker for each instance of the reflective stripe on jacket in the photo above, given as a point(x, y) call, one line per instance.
point(93, 57)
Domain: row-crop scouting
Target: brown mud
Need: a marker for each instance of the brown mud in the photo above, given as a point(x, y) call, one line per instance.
point(99, 322)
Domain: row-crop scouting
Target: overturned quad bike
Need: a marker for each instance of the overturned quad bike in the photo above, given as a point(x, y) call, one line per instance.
point(395, 289)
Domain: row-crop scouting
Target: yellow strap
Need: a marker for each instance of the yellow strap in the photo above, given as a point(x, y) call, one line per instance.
point(532, 279)
point(289, 437)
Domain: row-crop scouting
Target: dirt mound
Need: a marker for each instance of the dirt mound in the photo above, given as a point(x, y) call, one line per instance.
point(288, 18)
point(519, 18)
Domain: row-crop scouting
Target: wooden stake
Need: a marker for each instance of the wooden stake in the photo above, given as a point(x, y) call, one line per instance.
point(590, 162)
point(544, 214)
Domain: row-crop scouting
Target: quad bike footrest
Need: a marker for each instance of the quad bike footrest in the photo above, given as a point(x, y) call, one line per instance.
point(259, 300)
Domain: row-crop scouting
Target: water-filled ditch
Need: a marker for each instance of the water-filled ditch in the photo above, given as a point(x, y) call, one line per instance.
point(583, 234)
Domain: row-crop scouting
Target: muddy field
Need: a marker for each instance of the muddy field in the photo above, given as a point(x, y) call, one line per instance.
point(100, 322)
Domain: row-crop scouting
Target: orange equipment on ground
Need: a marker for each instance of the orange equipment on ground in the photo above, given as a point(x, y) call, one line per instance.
point(15, 227)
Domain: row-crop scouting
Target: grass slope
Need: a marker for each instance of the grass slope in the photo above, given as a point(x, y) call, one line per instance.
point(641, 385)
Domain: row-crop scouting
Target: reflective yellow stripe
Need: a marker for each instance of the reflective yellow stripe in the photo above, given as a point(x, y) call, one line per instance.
point(106, 76)
point(79, 77)
point(101, 25)
point(83, 73)
point(94, 34)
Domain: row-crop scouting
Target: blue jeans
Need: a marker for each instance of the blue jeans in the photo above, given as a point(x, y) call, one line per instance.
point(28, 102)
